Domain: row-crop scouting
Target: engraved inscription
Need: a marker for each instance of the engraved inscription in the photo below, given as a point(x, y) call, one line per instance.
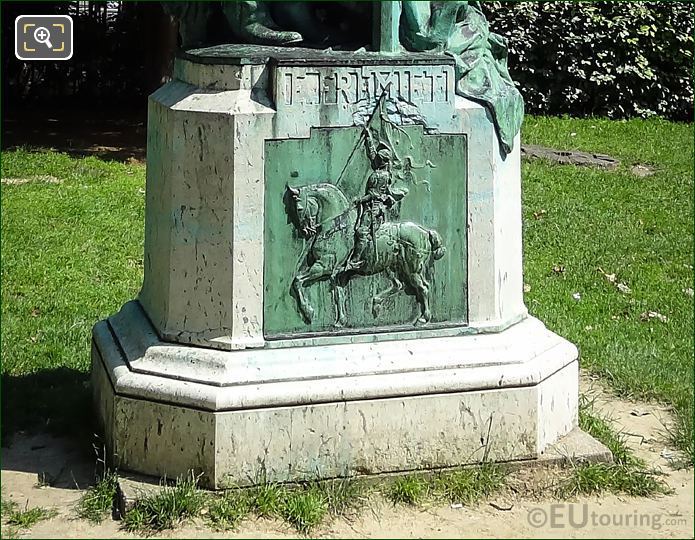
point(348, 86)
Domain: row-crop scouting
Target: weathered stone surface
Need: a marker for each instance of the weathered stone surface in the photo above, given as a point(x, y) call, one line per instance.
point(289, 374)
point(494, 222)
point(574, 448)
point(197, 376)
point(204, 241)
point(132, 488)
point(357, 409)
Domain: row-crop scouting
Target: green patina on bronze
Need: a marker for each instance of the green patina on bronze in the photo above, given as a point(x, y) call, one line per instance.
point(460, 29)
point(365, 230)
point(457, 28)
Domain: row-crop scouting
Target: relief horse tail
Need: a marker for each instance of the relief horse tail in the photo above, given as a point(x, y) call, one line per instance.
point(438, 249)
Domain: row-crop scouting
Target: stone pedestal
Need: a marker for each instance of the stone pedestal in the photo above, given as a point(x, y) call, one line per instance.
point(215, 368)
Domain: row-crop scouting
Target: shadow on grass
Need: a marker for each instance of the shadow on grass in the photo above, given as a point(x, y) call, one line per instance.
point(47, 427)
point(55, 401)
point(109, 134)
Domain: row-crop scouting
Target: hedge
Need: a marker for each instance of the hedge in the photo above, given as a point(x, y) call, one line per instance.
point(615, 59)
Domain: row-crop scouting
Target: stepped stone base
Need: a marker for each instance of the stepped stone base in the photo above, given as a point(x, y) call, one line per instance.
point(296, 413)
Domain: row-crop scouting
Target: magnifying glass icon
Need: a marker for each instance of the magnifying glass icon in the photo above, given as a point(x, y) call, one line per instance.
point(42, 35)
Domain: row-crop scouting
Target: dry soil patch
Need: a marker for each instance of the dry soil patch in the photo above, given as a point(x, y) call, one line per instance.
point(522, 511)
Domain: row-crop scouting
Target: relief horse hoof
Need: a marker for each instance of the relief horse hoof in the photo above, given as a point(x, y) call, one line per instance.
point(376, 307)
point(308, 313)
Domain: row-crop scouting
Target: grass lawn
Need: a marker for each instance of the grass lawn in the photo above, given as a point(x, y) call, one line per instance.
point(577, 221)
point(72, 254)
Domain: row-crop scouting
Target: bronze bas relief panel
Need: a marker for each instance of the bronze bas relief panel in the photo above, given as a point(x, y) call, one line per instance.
point(365, 230)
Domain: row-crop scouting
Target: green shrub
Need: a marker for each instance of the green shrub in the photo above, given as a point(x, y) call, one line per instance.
point(615, 59)
point(29, 516)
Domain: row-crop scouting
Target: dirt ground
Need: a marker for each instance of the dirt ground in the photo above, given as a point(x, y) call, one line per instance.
point(68, 468)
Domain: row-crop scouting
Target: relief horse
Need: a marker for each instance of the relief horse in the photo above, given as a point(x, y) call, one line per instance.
point(404, 251)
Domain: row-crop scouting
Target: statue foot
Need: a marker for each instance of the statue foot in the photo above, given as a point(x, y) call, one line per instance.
point(354, 265)
point(263, 35)
point(422, 319)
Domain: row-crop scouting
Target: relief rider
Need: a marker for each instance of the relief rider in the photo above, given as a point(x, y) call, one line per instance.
point(380, 196)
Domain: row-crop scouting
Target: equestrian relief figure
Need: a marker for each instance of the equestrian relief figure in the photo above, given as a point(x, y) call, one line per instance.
point(381, 195)
point(363, 238)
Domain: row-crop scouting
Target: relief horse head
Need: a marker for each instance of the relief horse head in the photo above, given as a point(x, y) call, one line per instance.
point(311, 207)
